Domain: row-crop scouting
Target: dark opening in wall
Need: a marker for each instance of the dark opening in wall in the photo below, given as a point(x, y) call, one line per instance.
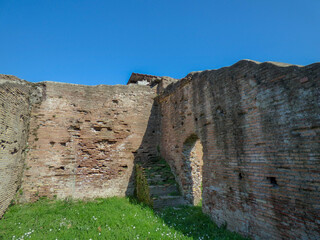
point(240, 176)
point(273, 181)
point(14, 151)
point(75, 128)
point(97, 128)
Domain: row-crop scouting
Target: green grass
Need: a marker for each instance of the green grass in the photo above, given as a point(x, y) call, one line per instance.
point(112, 218)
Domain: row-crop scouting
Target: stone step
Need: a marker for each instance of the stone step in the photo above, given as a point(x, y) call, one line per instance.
point(155, 180)
point(168, 201)
point(162, 190)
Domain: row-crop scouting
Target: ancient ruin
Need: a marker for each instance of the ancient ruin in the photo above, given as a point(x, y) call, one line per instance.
point(245, 139)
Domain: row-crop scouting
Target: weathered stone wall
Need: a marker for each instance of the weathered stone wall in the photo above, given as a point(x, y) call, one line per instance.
point(16, 99)
point(259, 126)
point(249, 133)
point(83, 140)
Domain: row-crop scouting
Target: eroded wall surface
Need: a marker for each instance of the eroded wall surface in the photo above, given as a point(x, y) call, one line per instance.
point(16, 99)
point(259, 126)
point(83, 140)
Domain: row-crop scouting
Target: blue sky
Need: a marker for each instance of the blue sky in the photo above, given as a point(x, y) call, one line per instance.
point(102, 42)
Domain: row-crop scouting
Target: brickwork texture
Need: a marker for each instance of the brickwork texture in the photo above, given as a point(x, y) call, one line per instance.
point(16, 99)
point(83, 140)
point(245, 139)
point(259, 126)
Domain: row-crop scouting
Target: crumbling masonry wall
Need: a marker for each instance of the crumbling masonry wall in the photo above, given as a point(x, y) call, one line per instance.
point(254, 127)
point(83, 140)
point(16, 98)
point(259, 126)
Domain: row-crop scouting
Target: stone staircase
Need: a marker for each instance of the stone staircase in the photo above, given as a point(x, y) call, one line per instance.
point(163, 187)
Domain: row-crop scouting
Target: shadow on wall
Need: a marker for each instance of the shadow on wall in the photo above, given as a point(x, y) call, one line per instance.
point(191, 156)
point(148, 149)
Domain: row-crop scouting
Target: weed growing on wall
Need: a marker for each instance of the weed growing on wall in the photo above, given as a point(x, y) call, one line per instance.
point(142, 191)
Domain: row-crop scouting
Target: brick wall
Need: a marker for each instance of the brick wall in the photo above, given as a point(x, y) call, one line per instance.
point(249, 133)
point(259, 126)
point(16, 99)
point(83, 140)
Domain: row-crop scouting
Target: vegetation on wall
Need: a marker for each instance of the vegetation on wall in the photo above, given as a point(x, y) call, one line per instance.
point(142, 191)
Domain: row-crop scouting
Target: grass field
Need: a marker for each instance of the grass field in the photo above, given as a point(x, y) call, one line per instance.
point(112, 218)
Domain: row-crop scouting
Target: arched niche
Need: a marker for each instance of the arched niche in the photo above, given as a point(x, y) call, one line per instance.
point(192, 154)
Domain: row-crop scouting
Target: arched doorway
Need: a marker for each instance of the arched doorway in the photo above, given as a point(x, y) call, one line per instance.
point(192, 165)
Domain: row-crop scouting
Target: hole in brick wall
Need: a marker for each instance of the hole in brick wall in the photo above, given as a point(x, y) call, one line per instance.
point(273, 181)
point(240, 176)
point(196, 119)
point(124, 166)
point(115, 101)
point(76, 128)
point(63, 144)
point(97, 128)
point(52, 143)
point(83, 111)
point(62, 167)
point(182, 123)
point(14, 151)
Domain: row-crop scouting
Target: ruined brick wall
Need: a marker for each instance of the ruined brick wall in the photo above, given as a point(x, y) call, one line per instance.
point(249, 133)
point(83, 140)
point(259, 126)
point(16, 98)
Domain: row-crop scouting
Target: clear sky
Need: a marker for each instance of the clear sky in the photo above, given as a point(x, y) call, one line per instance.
point(102, 42)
